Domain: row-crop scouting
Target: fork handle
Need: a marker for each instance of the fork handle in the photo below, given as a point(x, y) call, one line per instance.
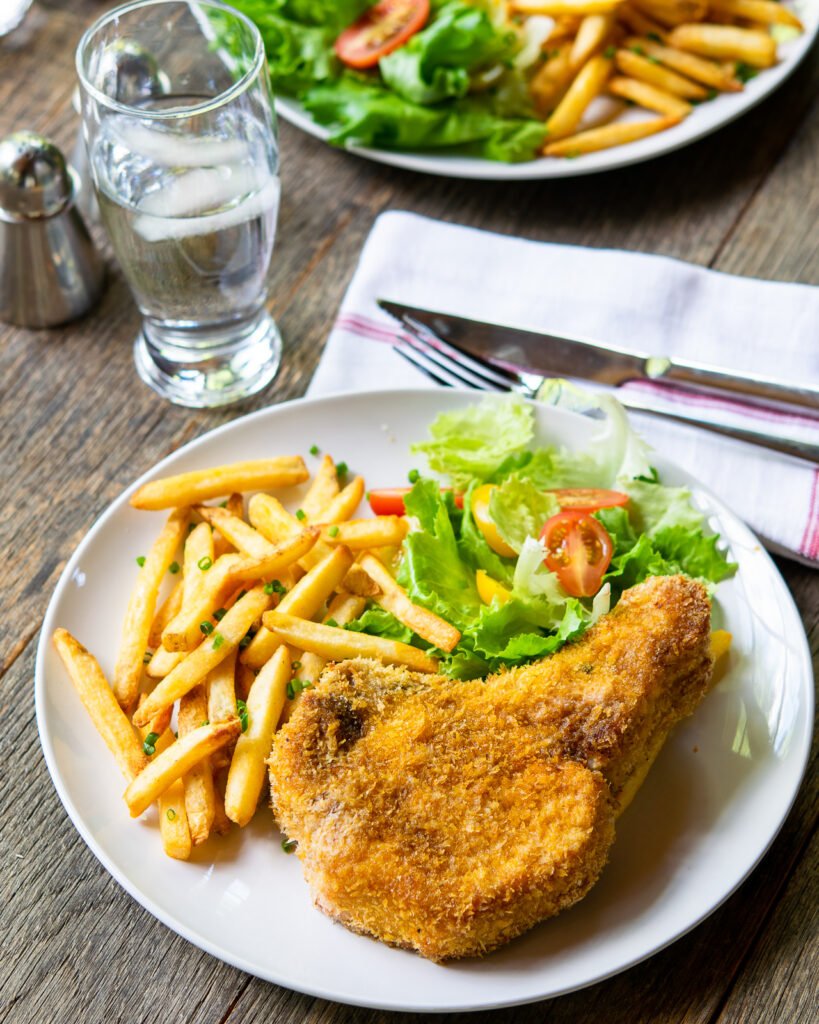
point(802, 450)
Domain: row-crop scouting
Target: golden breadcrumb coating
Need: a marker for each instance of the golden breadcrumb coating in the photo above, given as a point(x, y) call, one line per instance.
point(448, 817)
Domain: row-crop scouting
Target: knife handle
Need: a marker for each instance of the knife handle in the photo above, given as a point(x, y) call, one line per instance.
point(746, 385)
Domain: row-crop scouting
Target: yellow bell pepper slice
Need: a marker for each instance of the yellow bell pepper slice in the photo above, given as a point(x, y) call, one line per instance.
point(484, 522)
point(489, 589)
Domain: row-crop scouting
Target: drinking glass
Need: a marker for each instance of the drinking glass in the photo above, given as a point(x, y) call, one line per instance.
point(186, 175)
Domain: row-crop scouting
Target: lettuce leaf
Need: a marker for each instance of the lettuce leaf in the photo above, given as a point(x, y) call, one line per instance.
point(519, 510)
point(472, 443)
point(437, 62)
point(362, 112)
point(378, 622)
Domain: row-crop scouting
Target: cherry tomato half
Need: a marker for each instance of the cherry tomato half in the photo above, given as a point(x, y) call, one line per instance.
point(588, 499)
point(380, 30)
point(578, 551)
point(389, 501)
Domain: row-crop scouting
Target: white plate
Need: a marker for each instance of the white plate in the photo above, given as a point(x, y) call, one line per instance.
point(705, 119)
point(708, 811)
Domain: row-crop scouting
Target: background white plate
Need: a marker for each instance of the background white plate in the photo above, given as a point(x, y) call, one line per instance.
point(705, 119)
point(708, 811)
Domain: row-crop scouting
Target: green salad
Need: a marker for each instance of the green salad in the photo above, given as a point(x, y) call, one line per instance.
point(460, 81)
point(512, 607)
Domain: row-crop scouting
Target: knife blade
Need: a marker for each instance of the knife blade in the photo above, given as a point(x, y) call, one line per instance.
point(552, 355)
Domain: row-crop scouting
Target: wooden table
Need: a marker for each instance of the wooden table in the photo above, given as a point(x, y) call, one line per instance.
point(78, 426)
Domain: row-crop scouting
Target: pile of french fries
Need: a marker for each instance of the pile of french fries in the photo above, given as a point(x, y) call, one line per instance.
point(235, 611)
point(663, 56)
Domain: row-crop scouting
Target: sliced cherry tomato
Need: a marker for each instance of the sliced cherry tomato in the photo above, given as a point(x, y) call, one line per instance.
point(588, 499)
point(578, 550)
point(389, 501)
point(380, 30)
point(485, 523)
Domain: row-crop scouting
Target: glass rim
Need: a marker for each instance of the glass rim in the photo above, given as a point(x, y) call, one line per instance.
point(205, 106)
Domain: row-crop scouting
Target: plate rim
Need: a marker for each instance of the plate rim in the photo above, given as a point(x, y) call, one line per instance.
point(543, 169)
point(189, 934)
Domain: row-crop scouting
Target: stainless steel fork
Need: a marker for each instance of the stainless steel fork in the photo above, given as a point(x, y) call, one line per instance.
point(454, 367)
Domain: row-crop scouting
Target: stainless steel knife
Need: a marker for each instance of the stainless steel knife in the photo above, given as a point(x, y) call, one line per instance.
point(554, 356)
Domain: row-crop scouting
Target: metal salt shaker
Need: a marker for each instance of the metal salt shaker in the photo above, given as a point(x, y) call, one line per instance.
point(50, 272)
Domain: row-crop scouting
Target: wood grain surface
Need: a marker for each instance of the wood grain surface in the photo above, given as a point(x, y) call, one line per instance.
point(78, 426)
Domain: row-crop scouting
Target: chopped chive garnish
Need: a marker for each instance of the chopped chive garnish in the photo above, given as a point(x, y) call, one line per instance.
point(191, 527)
point(219, 614)
point(291, 693)
point(342, 469)
point(245, 641)
point(149, 744)
point(333, 531)
point(413, 475)
point(218, 640)
point(638, 50)
point(206, 627)
point(222, 504)
point(205, 563)
point(146, 657)
point(332, 622)
point(205, 722)
point(173, 568)
point(609, 52)
point(241, 595)
point(140, 560)
point(314, 449)
point(300, 514)
point(275, 587)
point(289, 845)
point(296, 665)
point(170, 814)
point(241, 711)
point(654, 37)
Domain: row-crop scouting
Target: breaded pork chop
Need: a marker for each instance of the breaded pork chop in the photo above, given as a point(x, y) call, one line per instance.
point(449, 817)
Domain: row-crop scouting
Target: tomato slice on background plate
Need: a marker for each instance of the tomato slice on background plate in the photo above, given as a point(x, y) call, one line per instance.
point(578, 551)
point(389, 501)
point(588, 499)
point(380, 30)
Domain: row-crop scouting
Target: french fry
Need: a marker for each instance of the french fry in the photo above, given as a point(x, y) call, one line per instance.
point(173, 822)
point(361, 534)
point(360, 583)
point(588, 84)
point(174, 762)
point(214, 584)
point(394, 598)
point(221, 822)
point(767, 12)
point(236, 507)
point(591, 36)
point(163, 662)
point(649, 96)
point(726, 42)
point(559, 8)
point(344, 608)
point(609, 135)
point(551, 80)
point(322, 491)
point(199, 799)
point(697, 68)
point(345, 502)
point(221, 685)
point(639, 22)
point(141, 608)
point(305, 600)
point(99, 701)
point(636, 66)
point(166, 611)
point(228, 573)
point(673, 12)
point(214, 649)
point(244, 680)
point(204, 484)
point(274, 522)
point(247, 766)
point(338, 644)
point(240, 534)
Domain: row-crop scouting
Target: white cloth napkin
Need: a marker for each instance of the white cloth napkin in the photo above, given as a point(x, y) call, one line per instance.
point(630, 300)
